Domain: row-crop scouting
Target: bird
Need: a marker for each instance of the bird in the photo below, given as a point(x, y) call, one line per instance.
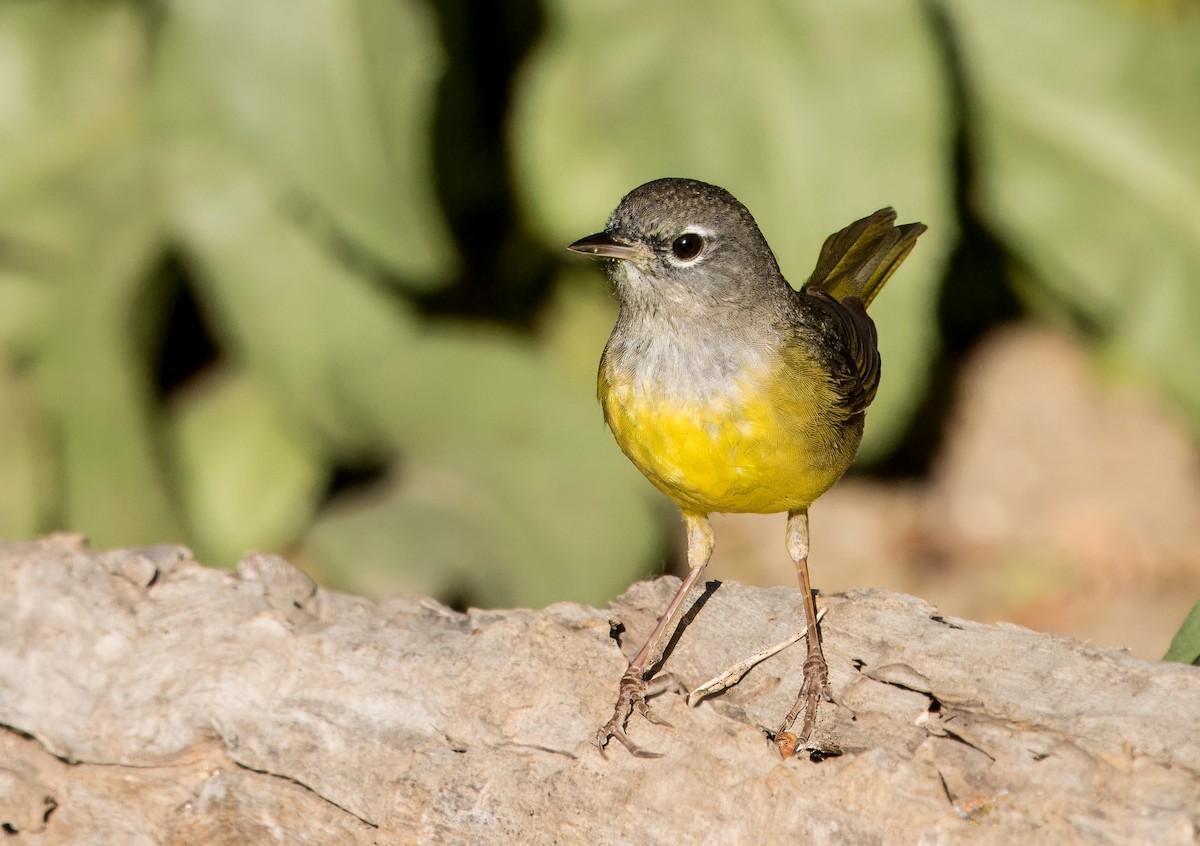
point(732, 391)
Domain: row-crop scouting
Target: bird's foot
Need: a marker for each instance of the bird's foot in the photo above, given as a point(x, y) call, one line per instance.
point(631, 699)
point(812, 691)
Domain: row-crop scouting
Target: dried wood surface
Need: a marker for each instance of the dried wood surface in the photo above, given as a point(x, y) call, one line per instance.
point(151, 700)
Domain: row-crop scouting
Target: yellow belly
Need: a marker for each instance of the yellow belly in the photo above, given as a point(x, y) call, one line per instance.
point(749, 450)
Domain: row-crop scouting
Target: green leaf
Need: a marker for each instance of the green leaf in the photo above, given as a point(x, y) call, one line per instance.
point(27, 461)
point(1185, 646)
point(784, 105)
point(69, 78)
point(333, 99)
point(78, 212)
point(283, 302)
point(248, 477)
point(1090, 172)
point(429, 535)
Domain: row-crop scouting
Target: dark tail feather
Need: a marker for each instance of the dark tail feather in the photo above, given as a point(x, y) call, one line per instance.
point(856, 261)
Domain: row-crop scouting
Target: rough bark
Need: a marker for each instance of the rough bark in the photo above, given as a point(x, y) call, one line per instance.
point(150, 699)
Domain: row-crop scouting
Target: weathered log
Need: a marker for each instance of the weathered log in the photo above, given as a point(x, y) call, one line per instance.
point(150, 699)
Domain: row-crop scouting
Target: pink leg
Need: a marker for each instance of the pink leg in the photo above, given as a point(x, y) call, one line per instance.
point(634, 688)
point(816, 672)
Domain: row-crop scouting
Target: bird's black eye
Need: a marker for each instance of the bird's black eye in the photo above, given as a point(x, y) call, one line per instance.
point(687, 246)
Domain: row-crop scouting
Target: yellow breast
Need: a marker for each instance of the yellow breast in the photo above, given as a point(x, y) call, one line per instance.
point(766, 444)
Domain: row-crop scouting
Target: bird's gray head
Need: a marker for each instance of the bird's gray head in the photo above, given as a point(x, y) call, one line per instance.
point(686, 245)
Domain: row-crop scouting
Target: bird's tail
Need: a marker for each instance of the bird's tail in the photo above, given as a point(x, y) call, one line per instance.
point(856, 261)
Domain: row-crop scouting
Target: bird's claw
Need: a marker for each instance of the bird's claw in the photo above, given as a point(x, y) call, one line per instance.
point(814, 689)
point(631, 699)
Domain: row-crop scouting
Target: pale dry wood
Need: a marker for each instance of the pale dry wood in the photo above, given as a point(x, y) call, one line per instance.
point(152, 700)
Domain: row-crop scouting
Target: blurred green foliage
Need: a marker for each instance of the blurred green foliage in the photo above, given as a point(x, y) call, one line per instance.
point(334, 186)
point(1185, 646)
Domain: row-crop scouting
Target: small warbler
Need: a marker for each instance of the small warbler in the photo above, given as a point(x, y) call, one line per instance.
point(730, 390)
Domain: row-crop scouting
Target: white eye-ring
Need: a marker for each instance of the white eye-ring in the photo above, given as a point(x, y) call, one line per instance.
point(688, 246)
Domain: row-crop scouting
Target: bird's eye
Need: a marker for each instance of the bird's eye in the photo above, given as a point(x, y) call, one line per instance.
point(687, 246)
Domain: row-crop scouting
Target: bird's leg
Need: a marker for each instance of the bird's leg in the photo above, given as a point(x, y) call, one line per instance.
point(635, 688)
point(816, 673)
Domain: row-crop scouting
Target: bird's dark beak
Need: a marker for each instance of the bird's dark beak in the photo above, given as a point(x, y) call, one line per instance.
point(604, 245)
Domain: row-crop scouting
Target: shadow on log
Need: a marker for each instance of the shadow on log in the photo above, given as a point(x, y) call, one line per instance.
point(149, 699)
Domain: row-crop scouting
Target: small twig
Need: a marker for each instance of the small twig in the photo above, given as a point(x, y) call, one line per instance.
point(734, 674)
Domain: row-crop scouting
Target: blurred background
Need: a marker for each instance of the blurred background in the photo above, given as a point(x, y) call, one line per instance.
point(289, 275)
